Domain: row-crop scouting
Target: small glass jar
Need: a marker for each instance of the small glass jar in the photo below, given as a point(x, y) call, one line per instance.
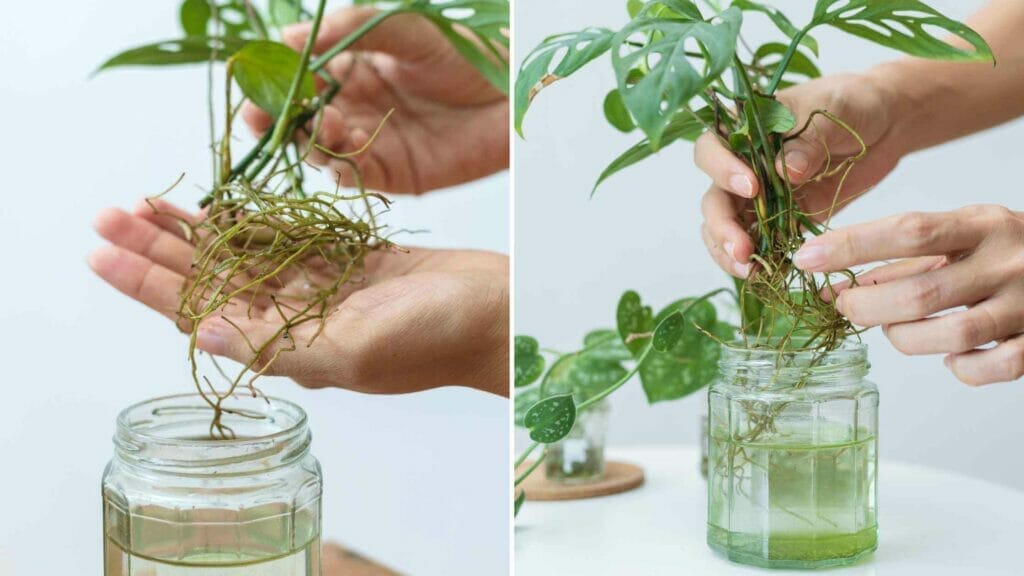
point(177, 503)
point(579, 457)
point(792, 478)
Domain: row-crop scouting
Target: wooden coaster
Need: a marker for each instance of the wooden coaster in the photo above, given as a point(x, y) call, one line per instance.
point(341, 561)
point(618, 477)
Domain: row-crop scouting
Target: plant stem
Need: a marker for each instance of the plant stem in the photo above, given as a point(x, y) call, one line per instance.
point(281, 128)
point(786, 57)
point(526, 454)
point(351, 39)
point(533, 466)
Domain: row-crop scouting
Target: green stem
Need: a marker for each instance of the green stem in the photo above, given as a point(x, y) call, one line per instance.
point(283, 120)
point(786, 57)
point(533, 466)
point(526, 454)
point(351, 39)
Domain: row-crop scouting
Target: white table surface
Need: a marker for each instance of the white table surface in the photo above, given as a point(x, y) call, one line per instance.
point(931, 522)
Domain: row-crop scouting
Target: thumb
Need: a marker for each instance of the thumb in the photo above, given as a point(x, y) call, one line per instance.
point(814, 142)
point(401, 35)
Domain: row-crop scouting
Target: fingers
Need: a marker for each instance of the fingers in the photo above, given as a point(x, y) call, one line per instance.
point(165, 215)
point(918, 296)
point(138, 278)
point(145, 239)
point(1004, 363)
point(888, 273)
point(958, 332)
point(723, 234)
point(258, 120)
point(729, 172)
point(401, 35)
point(901, 236)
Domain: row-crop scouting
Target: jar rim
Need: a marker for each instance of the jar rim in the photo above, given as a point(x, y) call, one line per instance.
point(124, 423)
point(780, 368)
point(154, 441)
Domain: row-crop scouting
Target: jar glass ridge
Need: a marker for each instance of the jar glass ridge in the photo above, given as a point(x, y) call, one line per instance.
point(177, 502)
point(792, 472)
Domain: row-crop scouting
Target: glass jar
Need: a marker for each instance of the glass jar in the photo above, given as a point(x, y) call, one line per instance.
point(579, 457)
point(792, 479)
point(177, 503)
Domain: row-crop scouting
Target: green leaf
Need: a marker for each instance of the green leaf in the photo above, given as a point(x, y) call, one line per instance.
point(901, 25)
point(781, 21)
point(632, 317)
point(775, 117)
point(800, 67)
point(551, 419)
point(668, 332)
point(538, 71)
point(264, 71)
point(605, 345)
point(685, 126)
point(195, 17)
point(691, 362)
point(519, 503)
point(529, 362)
point(672, 80)
point(525, 399)
point(171, 52)
point(284, 12)
point(633, 7)
point(581, 376)
point(487, 21)
point(616, 114)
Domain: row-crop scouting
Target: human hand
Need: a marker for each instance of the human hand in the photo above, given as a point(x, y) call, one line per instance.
point(862, 101)
point(423, 319)
point(339, 561)
point(449, 124)
point(972, 257)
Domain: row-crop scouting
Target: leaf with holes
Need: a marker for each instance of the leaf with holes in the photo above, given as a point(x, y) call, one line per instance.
point(672, 79)
point(529, 363)
point(577, 49)
point(685, 126)
point(487, 21)
point(781, 21)
point(264, 71)
point(551, 419)
point(173, 52)
point(902, 25)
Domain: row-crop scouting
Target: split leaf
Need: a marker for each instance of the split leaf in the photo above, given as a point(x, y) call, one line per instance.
point(189, 50)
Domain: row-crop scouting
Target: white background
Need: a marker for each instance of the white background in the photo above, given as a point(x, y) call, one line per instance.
point(642, 231)
point(418, 482)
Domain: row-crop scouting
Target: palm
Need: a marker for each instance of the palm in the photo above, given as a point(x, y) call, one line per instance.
point(413, 321)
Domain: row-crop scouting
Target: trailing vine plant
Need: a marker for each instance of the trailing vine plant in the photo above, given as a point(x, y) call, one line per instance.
point(674, 352)
point(264, 229)
point(683, 69)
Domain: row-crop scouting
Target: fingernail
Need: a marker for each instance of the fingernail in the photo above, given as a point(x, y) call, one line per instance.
point(208, 340)
point(741, 185)
point(797, 162)
point(948, 361)
point(810, 256)
point(742, 270)
point(730, 249)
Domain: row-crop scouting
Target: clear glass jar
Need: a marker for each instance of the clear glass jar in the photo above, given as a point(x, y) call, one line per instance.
point(176, 503)
point(579, 457)
point(792, 479)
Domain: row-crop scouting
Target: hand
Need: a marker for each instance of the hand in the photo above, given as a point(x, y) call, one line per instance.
point(972, 257)
point(449, 124)
point(860, 100)
point(339, 561)
point(423, 319)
